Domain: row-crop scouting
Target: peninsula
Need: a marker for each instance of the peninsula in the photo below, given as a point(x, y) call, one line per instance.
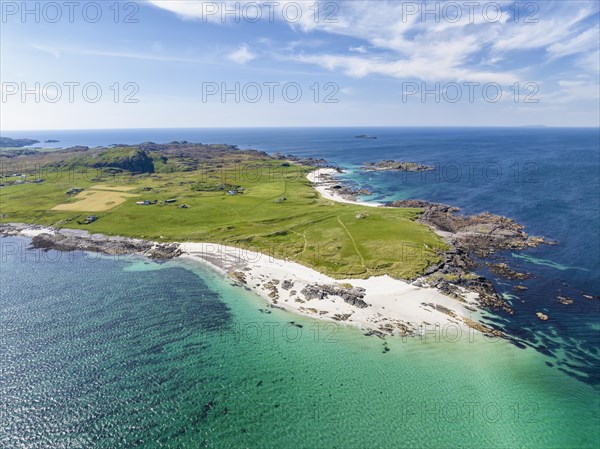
point(273, 225)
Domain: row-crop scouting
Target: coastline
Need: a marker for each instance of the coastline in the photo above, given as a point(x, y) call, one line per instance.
point(323, 182)
point(446, 294)
point(379, 305)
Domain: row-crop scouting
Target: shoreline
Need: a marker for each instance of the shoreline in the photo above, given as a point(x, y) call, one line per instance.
point(323, 182)
point(382, 305)
point(379, 305)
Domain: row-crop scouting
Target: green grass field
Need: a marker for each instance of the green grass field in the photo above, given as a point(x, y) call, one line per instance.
point(340, 240)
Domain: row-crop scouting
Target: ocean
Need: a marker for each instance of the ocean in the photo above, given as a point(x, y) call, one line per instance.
point(105, 352)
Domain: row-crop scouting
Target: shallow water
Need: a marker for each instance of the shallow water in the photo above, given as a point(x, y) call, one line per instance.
point(129, 353)
point(105, 352)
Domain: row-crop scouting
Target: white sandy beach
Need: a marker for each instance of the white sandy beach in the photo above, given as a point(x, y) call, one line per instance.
point(323, 182)
point(393, 305)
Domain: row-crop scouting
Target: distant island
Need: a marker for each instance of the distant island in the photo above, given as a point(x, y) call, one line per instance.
point(51, 141)
point(365, 136)
point(7, 142)
point(390, 165)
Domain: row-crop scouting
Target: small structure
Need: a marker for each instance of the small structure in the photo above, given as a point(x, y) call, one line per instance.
point(143, 203)
point(73, 191)
point(232, 192)
point(280, 199)
point(88, 220)
point(172, 200)
point(184, 206)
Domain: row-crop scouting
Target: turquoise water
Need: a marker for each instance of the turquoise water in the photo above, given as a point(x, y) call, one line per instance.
point(106, 352)
point(547, 179)
point(97, 352)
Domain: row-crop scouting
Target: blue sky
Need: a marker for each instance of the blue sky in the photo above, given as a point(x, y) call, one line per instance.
point(371, 63)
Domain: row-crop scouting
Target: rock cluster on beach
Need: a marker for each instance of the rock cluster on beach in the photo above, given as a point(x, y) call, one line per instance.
point(353, 296)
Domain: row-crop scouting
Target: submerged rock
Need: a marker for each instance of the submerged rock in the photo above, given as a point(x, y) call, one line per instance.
point(503, 270)
point(564, 300)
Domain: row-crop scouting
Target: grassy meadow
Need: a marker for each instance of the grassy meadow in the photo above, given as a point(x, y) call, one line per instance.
point(340, 240)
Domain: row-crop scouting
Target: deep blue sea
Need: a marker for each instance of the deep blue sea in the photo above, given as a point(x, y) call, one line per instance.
point(76, 337)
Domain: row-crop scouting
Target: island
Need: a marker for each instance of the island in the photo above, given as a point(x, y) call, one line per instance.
point(390, 165)
point(365, 136)
point(7, 142)
point(273, 225)
point(51, 141)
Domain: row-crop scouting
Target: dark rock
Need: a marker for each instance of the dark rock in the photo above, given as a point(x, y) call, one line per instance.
point(353, 296)
point(503, 270)
point(564, 300)
point(390, 165)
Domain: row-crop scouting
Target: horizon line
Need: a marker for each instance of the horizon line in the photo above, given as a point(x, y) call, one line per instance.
point(2, 132)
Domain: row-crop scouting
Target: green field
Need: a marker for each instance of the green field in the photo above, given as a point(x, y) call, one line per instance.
point(340, 240)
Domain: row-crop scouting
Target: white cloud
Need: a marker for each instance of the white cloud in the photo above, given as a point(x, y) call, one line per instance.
point(115, 54)
point(360, 49)
point(473, 47)
point(582, 43)
point(573, 90)
point(242, 55)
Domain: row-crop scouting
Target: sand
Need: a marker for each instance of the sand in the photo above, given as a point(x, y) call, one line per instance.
point(323, 182)
point(394, 306)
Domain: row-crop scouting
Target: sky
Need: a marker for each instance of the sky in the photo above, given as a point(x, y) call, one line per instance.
point(169, 63)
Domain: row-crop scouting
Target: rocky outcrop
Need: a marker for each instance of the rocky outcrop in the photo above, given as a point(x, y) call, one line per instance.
point(304, 161)
point(353, 296)
point(542, 316)
point(77, 240)
point(470, 236)
point(564, 300)
point(135, 161)
point(481, 234)
point(390, 165)
point(503, 270)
